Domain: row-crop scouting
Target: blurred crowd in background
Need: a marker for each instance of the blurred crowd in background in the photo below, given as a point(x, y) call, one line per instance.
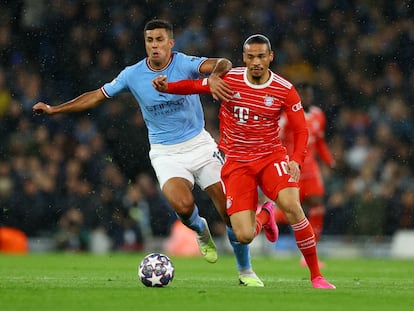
point(68, 176)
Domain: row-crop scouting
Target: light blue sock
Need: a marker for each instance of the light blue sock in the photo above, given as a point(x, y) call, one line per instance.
point(194, 222)
point(241, 251)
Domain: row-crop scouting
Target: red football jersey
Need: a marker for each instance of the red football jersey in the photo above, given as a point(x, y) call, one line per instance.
point(249, 122)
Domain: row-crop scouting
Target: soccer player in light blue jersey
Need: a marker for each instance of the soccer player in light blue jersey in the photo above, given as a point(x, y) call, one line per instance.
point(182, 151)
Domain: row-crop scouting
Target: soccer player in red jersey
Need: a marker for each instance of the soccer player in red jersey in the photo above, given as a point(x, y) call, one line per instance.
point(254, 154)
point(311, 183)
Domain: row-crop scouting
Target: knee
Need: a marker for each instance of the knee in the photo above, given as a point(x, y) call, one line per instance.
point(244, 237)
point(182, 205)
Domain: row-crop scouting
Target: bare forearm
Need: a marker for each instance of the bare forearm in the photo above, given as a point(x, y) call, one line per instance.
point(222, 66)
point(216, 66)
point(83, 102)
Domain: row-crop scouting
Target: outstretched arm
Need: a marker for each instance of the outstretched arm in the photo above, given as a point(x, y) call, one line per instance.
point(185, 87)
point(217, 67)
point(182, 87)
point(83, 102)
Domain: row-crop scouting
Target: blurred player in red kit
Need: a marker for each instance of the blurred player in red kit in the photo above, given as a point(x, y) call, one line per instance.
point(254, 154)
point(311, 182)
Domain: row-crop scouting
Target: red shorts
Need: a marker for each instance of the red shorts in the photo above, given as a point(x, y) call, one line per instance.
point(241, 179)
point(310, 187)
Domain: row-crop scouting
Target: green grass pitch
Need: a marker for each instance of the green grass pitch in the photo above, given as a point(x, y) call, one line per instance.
point(109, 282)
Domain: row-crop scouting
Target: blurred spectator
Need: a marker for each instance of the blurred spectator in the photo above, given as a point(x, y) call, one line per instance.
point(104, 70)
point(28, 89)
point(30, 209)
point(364, 205)
point(7, 186)
point(337, 216)
point(193, 38)
point(161, 214)
point(71, 234)
point(131, 222)
point(406, 206)
point(5, 94)
point(85, 129)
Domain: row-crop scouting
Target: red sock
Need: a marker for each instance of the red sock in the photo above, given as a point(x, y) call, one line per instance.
point(261, 219)
point(316, 218)
point(280, 217)
point(305, 240)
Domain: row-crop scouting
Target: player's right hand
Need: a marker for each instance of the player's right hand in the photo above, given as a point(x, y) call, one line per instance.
point(160, 83)
point(41, 107)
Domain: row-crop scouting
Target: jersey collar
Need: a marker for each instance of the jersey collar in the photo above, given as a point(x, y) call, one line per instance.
point(258, 86)
point(157, 70)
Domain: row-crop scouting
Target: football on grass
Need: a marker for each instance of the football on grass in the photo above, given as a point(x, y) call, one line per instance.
point(156, 270)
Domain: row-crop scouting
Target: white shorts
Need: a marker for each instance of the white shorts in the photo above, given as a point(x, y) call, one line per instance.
point(197, 160)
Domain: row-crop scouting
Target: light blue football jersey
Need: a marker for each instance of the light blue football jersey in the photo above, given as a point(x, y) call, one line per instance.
point(170, 118)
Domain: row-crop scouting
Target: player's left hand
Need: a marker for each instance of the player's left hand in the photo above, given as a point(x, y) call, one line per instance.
point(160, 83)
point(293, 169)
point(219, 88)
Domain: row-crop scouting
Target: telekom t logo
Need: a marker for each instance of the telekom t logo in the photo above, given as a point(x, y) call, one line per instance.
point(241, 113)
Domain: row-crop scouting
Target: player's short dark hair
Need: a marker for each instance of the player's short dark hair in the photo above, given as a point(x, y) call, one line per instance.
point(159, 23)
point(258, 38)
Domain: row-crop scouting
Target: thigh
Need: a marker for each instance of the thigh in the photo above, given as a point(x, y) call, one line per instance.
point(274, 176)
point(167, 166)
point(240, 187)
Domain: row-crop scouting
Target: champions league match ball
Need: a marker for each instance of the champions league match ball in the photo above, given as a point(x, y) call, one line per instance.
point(156, 270)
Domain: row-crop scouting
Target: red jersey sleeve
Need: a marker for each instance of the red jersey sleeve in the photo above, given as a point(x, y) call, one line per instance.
point(185, 87)
point(321, 147)
point(296, 118)
point(324, 152)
